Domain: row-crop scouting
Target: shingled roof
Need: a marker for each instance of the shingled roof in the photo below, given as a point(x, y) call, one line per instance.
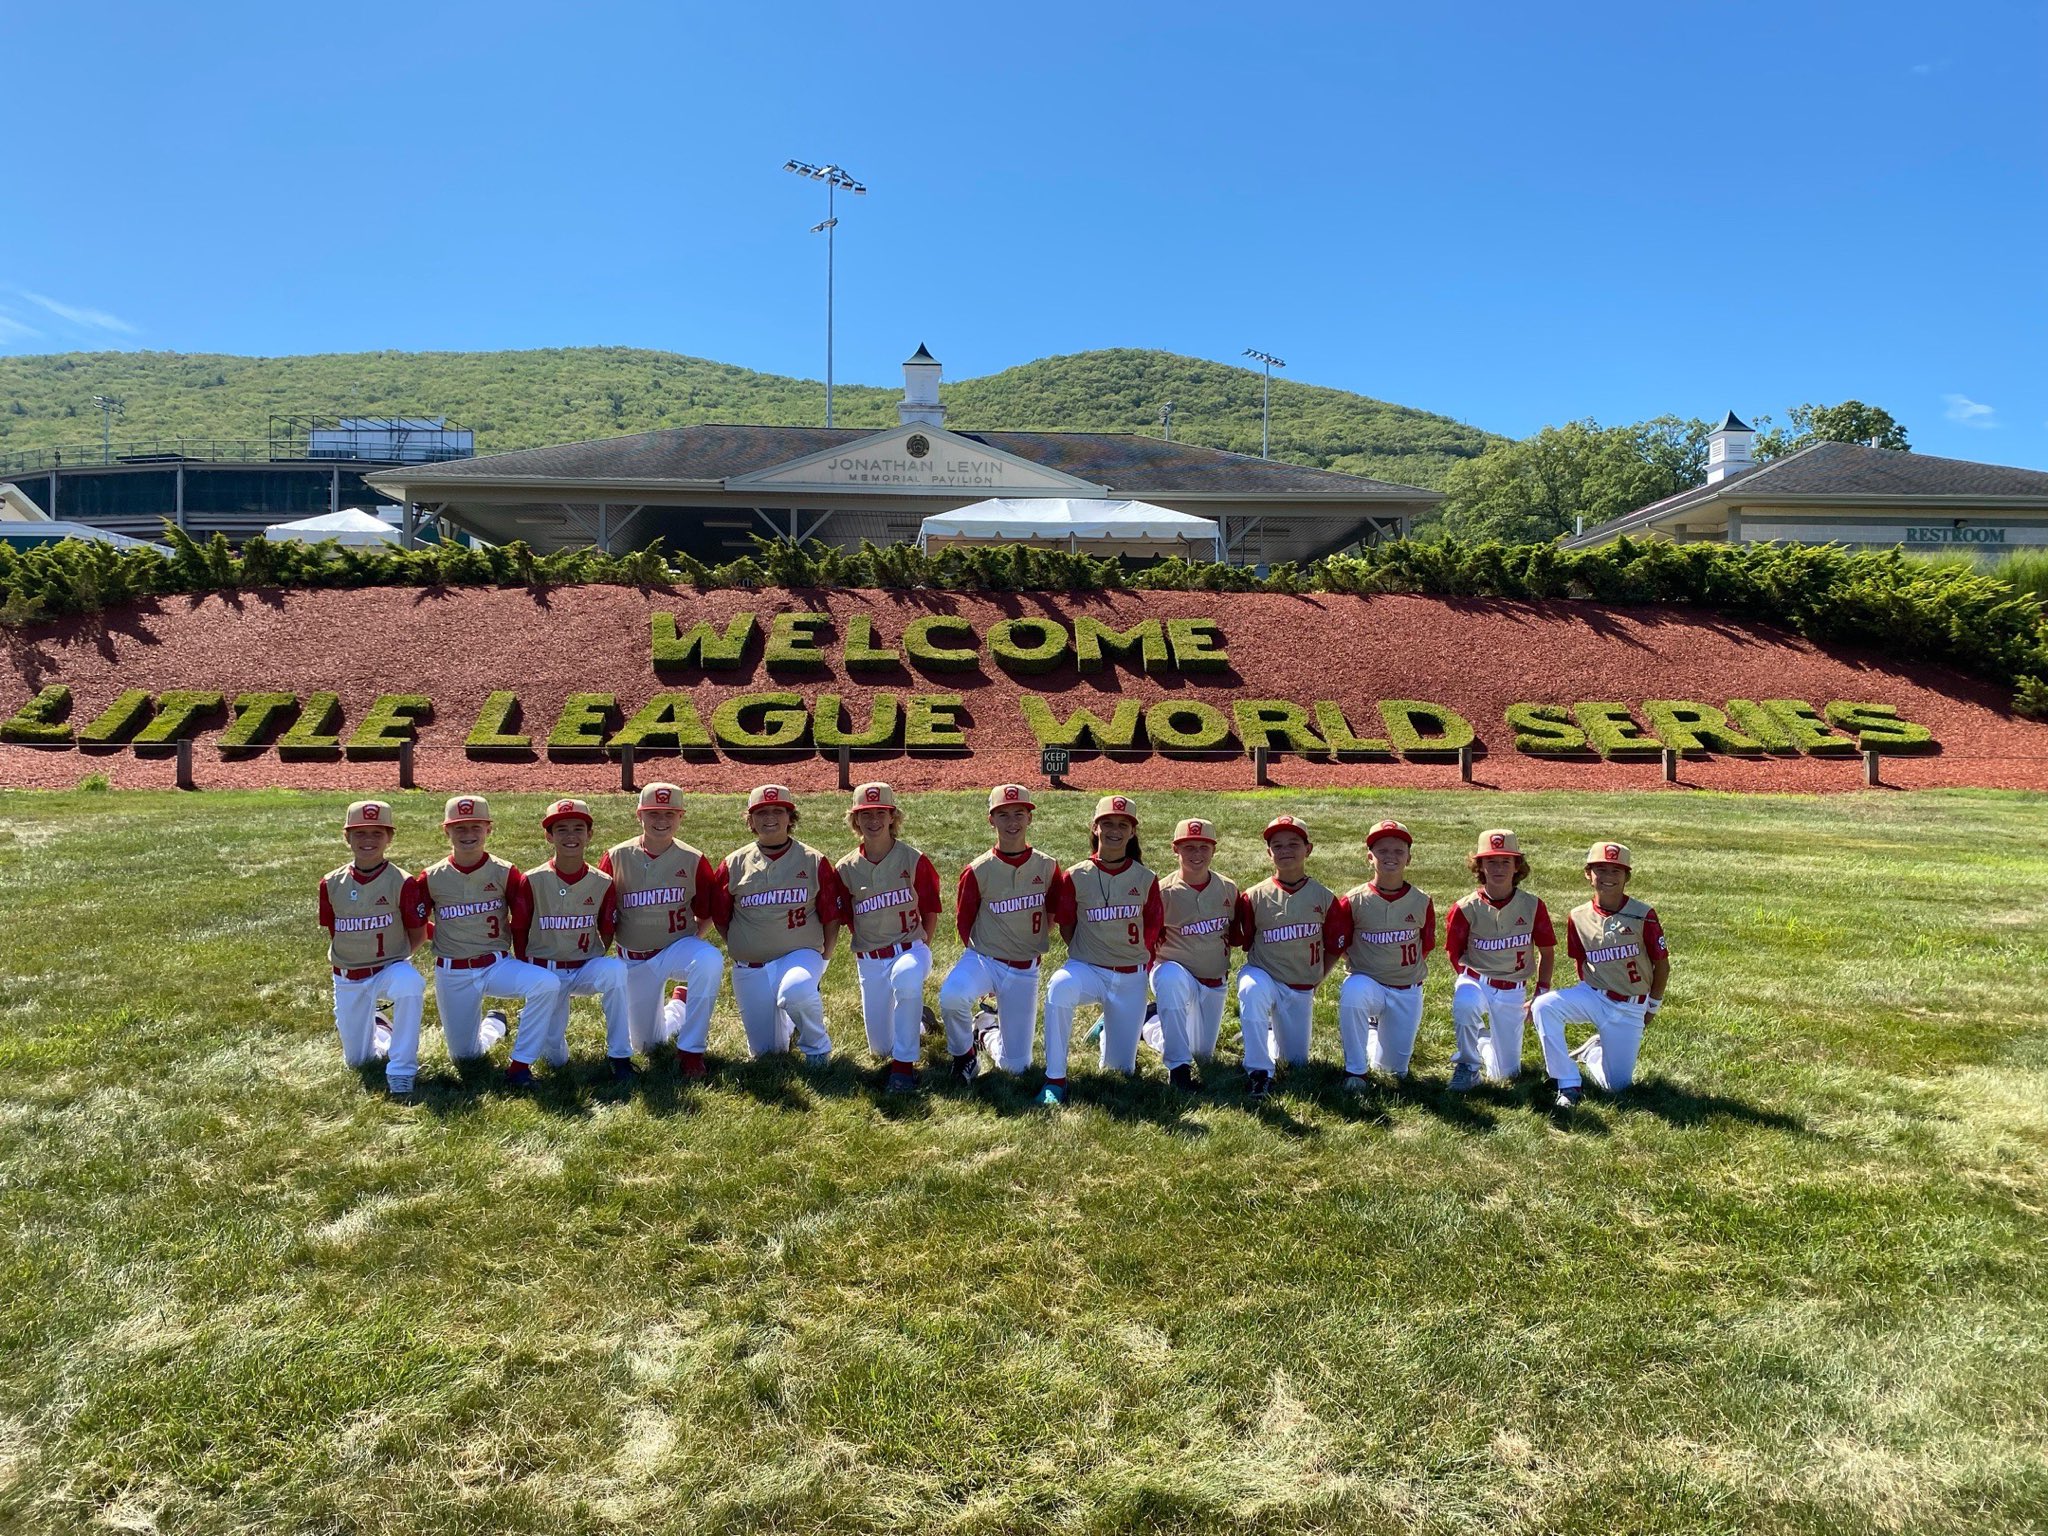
point(1848, 472)
point(1126, 462)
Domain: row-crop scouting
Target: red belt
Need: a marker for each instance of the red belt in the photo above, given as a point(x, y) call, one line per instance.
point(1211, 985)
point(1399, 986)
point(1623, 997)
point(473, 963)
point(638, 954)
point(1121, 970)
point(1299, 986)
point(1505, 986)
point(361, 972)
point(1015, 965)
point(887, 952)
point(563, 965)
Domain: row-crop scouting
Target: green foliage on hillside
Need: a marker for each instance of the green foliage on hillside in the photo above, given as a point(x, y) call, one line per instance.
point(527, 399)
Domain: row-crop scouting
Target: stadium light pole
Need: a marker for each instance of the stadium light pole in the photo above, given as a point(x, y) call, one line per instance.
point(110, 407)
point(834, 177)
point(1266, 399)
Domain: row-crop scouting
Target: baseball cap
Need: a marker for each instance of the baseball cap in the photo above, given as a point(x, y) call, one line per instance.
point(366, 813)
point(1010, 794)
point(562, 810)
point(465, 808)
point(1288, 824)
point(770, 794)
point(1609, 853)
point(1497, 840)
point(874, 797)
point(660, 797)
point(1114, 805)
point(1194, 830)
point(1389, 829)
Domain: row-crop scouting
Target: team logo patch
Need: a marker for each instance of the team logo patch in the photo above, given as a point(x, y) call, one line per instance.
point(661, 797)
point(874, 797)
point(1497, 842)
point(1613, 852)
point(370, 813)
point(464, 807)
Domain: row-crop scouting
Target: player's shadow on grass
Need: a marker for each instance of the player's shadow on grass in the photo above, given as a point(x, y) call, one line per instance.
point(1681, 1106)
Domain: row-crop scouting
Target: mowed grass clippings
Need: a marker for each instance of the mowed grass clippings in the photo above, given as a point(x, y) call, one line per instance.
point(1796, 1281)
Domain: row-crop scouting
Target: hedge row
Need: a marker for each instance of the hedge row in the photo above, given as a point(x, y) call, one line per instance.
point(1909, 609)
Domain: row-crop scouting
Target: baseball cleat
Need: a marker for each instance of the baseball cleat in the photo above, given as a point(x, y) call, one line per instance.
point(690, 1063)
point(818, 1058)
point(494, 1028)
point(519, 1075)
point(929, 1022)
point(901, 1082)
point(1356, 1082)
point(1094, 1032)
point(623, 1070)
point(398, 1089)
point(1183, 1077)
point(1464, 1078)
point(1258, 1084)
point(380, 1037)
point(1569, 1098)
point(966, 1067)
point(1052, 1096)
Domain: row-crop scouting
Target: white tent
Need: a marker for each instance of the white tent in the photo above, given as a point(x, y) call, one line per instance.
point(1135, 528)
point(348, 526)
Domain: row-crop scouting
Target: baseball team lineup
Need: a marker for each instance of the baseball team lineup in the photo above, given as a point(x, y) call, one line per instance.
point(1150, 953)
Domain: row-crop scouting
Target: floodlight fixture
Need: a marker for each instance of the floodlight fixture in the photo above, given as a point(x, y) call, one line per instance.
point(110, 407)
point(1266, 398)
point(836, 180)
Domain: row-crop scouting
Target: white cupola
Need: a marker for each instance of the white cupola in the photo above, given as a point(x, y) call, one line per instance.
point(1731, 448)
point(921, 390)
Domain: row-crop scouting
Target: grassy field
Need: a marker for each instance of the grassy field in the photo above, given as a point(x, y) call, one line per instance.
point(1796, 1281)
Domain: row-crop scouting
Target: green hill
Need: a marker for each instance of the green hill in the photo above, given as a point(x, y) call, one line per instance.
point(524, 399)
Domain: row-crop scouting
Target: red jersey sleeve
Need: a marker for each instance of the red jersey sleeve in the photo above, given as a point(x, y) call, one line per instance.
point(926, 883)
point(519, 908)
point(834, 905)
point(966, 903)
point(604, 862)
point(1540, 932)
point(415, 906)
point(720, 887)
point(700, 901)
point(1429, 926)
point(1339, 927)
point(608, 916)
point(1155, 921)
point(1241, 922)
point(1653, 937)
point(1061, 899)
point(327, 908)
point(1456, 933)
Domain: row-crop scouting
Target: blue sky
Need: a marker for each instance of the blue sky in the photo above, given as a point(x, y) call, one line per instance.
point(1512, 214)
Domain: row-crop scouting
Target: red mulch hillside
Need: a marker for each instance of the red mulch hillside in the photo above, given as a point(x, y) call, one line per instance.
point(1474, 656)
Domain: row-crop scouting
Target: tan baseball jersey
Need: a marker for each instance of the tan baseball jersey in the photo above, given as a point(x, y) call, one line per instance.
point(1284, 929)
point(363, 917)
point(661, 896)
point(1616, 950)
point(468, 907)
point(1495, 940)
point(566, 914)
point(1390, 937)
point(770, 906)
point(1005, 909)
point(1197, 934)
point(1116, 916)
point(881, 897)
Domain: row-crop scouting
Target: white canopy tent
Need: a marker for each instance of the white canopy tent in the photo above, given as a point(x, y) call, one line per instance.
point(1134, 528)
point(357, 529)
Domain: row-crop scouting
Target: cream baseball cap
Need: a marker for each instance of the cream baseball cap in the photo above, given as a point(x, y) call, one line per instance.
point(770, 794)
point(1114, 805)
point(1498, 840)
point(1009, 794)
point(1609, 853)
point(563, 809)
point(874, 797)
point(1288, 824)
point(1194, 830)
point(660, 797)
point(465, 808)
point(367, 813)
point(1389, 829)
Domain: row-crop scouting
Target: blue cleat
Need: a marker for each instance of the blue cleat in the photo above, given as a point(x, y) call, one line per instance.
point(1052, 1096)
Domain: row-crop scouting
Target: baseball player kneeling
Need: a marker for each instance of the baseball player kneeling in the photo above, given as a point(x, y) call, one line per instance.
point(1109, 911)
point(664, 890)
point(1386, 929)
point(361, 907)
point(777, 901)
point(468, 902)
point(890, 897)
point(1002, 909)
point(1623, 964)
point(1285, 924)
point(574, 914)
point(1487, 939)
point(1193, 955)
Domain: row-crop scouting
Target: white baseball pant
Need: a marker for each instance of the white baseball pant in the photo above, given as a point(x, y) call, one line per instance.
point(601, 976)
point(1378, 1025)
point(1190, 1015)
point(892, 1001)
point(1609, 1057)
point(355, 1016)
point(1276, 1019)
point(459, 999)
point(1488, 1020)
point(779, 1002)
point(1121, 997)
point(701, 966)
point(975, 976)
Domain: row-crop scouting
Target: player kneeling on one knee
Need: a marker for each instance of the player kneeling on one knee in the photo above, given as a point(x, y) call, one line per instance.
point(470, 903)
point(1002, 909)
point(1285, 924)
point(1623, 962)
point(889, 904)
point(1385, 930)
point(664, 891)
point(1488, 938)
point(1108, 910)
point(568, 927)
point(1193, 958)
point(361, 907)
point(776, 901)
